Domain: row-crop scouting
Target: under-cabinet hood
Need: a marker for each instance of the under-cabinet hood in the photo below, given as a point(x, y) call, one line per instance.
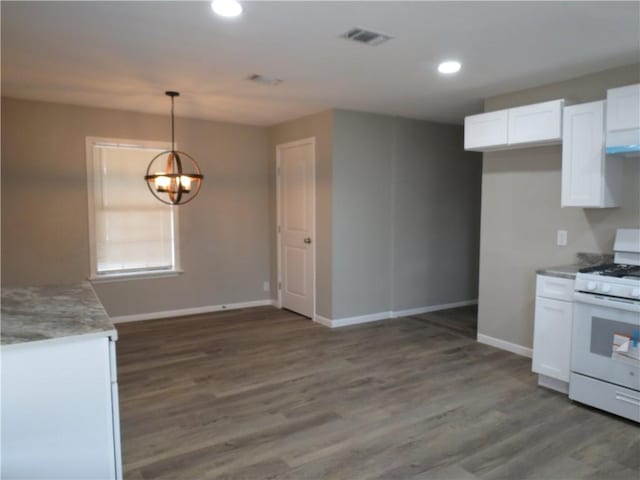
point(623, 121)
point(624, 142)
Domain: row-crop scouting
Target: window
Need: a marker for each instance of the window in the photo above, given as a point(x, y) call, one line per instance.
point(131, 232)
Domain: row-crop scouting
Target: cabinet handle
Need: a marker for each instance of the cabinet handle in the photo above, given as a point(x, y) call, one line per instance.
point(625, 398)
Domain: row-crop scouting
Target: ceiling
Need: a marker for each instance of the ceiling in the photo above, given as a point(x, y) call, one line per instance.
point(124, 55)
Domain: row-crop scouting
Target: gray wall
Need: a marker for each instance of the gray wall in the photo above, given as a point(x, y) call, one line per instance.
point(320, 127)
point(521, 213)
point(224, 233)
point(436, 216)
point(406, 214)
point(398, 204)
point(396, 209)
point(362, 223)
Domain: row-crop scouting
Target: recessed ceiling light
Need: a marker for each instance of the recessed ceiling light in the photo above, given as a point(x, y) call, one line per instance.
point(226, 8)
point(450, 66)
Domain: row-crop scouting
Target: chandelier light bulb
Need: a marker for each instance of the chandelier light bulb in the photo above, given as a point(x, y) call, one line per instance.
point(161, 182)
point(185, 183)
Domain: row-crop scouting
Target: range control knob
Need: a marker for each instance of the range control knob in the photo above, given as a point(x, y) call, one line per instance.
point(591, 285)
point(605, 288)
point(635, 293)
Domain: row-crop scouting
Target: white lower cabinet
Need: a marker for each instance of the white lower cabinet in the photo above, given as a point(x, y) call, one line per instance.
point(552, 332)
point(60, 410)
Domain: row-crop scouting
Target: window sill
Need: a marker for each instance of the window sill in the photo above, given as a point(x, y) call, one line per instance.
point(123, 277)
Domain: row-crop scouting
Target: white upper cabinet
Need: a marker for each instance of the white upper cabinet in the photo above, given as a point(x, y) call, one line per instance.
point(589, 179)
point(623, 108)
point(537, 124)
point(623, 116)
point(486, 130)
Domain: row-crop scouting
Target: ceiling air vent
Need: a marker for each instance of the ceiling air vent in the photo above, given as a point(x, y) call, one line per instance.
point(366, 36)
point(264, 80)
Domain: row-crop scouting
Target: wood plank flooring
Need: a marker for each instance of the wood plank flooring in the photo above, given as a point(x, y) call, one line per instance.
point(266, 394)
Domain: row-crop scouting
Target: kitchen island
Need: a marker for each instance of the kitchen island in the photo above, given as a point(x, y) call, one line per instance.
point(59, 385)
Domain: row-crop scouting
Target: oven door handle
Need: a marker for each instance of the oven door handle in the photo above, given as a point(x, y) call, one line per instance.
point(628, 399)
point(608, 302)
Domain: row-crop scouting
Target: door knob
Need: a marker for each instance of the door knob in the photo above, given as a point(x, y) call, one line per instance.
point(307, 240)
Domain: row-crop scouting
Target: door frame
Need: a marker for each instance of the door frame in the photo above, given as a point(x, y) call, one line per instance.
point(281, 146)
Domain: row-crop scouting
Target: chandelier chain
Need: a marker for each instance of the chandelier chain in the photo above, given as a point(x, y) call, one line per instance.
point(173, 142)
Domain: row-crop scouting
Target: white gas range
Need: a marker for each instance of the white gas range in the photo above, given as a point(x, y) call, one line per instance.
point(605, 361)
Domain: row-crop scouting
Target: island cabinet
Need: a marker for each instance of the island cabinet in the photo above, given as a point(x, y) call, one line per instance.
point(553, 325)
point(589, 178)
point(519, 127)
point(59, 392)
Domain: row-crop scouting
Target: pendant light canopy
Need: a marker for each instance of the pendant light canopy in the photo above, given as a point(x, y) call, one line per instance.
point(171, 183)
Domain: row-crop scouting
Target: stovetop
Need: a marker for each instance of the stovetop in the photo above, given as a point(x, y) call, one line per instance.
point(613, 270)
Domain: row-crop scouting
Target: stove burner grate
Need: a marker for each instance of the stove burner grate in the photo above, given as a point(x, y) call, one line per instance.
point(613, 270)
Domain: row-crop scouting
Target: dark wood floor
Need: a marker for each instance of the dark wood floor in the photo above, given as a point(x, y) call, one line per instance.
point(263, 393)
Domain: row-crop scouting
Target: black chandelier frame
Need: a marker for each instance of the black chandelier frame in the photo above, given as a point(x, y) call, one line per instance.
point(174, 171)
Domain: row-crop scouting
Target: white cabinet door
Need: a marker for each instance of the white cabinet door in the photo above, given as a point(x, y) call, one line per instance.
point(57, 411)
point(623, 108)
point(540, 123)
point(583, 155)
point(555, 287)
point(552, 338)
point(589, 179)
point(537, 124)
point(623, 118)
point(486, 131)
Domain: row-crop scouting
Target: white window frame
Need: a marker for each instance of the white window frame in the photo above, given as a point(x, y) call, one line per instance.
point(94, 276)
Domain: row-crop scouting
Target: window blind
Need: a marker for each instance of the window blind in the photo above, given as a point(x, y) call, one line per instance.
point(133, 230)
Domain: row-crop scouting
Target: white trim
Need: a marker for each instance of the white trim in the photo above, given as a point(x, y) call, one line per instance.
point(504, 345)
point(190, 311)
point(145, 275)
point(434, 308)
point(323, 321)
point(553, 384)
point(279, 147)
point(374, 317)
point(90, 142)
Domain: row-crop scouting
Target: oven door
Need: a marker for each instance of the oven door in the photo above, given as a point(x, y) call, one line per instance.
point(599, 323)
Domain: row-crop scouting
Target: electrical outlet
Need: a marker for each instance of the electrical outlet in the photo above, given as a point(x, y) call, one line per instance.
point(562, 238)
point(266, 286)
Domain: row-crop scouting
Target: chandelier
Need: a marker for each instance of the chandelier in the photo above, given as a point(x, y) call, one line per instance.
point(170, 183)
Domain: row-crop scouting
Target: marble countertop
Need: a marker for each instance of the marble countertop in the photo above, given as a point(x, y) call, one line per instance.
point(564, 271)
point(583, 260)
point(31, 314)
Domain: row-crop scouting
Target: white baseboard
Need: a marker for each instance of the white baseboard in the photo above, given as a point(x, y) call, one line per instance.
point(553, 384)
point(504, 345)
point(335, 323)
point(434, 308)
point(322, 321)
point(375, 317)
point(190, 311)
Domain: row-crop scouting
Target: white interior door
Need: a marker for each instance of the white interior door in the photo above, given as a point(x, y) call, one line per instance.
point(296, 225)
